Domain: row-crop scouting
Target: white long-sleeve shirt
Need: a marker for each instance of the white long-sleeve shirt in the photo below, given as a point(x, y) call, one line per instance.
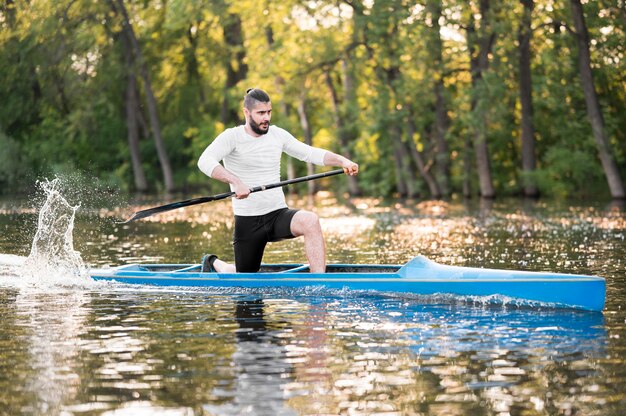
point(256, 161)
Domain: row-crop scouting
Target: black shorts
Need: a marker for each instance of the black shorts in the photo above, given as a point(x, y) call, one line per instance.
point(252, 233)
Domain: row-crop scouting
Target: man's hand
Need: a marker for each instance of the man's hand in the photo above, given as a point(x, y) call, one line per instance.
point(242, 191)
point(333, 159)
point(350, 168)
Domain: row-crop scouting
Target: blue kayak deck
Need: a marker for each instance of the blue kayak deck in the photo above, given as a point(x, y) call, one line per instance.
point(418, 276)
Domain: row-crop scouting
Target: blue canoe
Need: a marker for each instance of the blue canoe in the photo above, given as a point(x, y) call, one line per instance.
point(419, 276)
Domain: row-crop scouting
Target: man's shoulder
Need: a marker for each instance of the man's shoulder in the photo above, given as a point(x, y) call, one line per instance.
point(274, 128)
point(232, 131)
point(280, 132)
point(229, 135)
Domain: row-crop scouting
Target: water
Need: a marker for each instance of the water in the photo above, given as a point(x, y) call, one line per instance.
point(69, 347)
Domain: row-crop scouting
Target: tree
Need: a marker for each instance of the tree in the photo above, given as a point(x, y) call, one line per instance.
point(594, 111)
point(236, 67)
point(430, 97)
point(480, 39)
point(308, 136)
point(385, 43)
point(526, 99)
point(133, 115)
point(127, 28)
point(441, 125)
point(422, 166)
point(344, 119)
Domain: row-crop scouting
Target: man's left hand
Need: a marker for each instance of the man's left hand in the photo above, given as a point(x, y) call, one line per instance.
point(350, 168)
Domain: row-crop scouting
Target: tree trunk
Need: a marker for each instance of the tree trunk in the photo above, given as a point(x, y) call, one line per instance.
point(422, 167)
point(614, 179)
point(193, 66)
point(345, 136)
point(349, 134)
point(308, 138)
point(236, 68)
point(8, 11)
point(59, 84)
point(132, 124)
point(442, 151)
point(467, 167)
point(284, 109)
point(166, 168)
point(480, 49)
point(526, 100)
point(132, 105)
point(483, 166)
point(408, 171)
point(399, 162)
point(405, 175)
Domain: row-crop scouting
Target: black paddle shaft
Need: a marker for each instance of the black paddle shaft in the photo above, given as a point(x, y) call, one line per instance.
point(180, 204)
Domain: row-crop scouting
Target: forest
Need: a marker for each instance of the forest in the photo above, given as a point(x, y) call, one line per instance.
point(433, 99)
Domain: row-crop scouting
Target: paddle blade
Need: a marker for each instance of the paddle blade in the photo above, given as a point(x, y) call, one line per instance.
point(175, 205)
point(138, 215)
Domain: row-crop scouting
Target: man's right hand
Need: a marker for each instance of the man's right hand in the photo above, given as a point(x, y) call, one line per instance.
point(242, 191)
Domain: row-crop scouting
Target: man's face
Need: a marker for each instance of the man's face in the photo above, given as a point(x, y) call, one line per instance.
point(259, 117)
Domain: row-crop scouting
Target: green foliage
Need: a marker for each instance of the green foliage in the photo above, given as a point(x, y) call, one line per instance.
point(569, 172)
point(65, 76)
point(13, 170)
point(197, 139)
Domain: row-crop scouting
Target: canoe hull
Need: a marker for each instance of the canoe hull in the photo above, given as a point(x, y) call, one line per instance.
point(419, 276)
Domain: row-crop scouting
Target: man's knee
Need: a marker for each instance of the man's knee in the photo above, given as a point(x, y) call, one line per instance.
point(305, 222)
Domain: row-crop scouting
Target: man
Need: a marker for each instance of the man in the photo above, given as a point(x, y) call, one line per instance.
point(251, 155)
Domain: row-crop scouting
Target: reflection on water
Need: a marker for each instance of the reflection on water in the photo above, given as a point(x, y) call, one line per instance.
point(120, 350)
point(260, 367)
point(187, 353)
point(41, 332)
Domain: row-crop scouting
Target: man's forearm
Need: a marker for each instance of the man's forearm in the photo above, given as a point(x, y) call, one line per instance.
point(333, 159)
point(223, 175)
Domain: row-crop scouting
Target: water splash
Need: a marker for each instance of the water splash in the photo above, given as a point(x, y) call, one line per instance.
point(9, 263)
point(52, 261)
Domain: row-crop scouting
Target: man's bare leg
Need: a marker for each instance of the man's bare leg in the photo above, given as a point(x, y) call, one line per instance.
point(223, 267)
point(307, 224)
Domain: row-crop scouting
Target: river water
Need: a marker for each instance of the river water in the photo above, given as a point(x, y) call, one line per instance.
point(69, 346)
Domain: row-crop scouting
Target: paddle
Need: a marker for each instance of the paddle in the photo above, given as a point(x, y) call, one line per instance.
point(175, 205)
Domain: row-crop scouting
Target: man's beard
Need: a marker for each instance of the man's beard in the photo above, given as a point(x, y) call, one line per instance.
point(257, 129)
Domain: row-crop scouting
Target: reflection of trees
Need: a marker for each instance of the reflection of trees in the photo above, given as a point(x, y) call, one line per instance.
point(39, 355)
point(502, 360)
point(261, 369)
point(440, 360)
point(155, 352)
point(321, 355)
point(157, 349)
point(350, 363)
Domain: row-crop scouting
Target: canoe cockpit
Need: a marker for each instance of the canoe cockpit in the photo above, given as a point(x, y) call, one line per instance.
point(267, 268)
